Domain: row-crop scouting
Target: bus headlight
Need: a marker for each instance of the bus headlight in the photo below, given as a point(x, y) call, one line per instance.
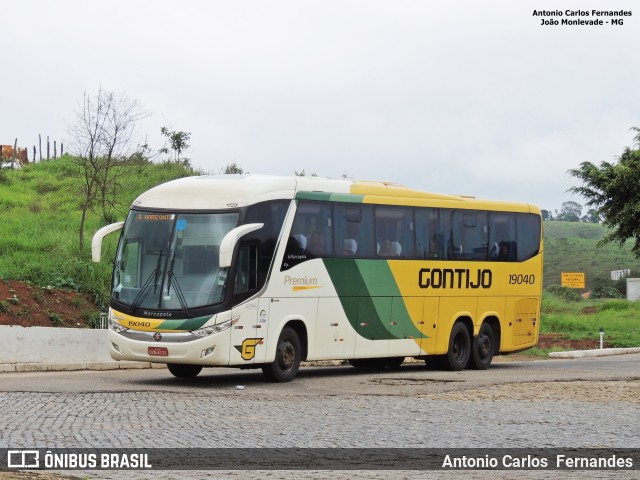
point(115, 326)
point(217, 328)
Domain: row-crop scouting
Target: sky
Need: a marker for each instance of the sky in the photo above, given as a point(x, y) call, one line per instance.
point(459, 97)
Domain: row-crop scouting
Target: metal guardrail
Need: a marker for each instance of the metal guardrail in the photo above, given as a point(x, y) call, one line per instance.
point(104, 318)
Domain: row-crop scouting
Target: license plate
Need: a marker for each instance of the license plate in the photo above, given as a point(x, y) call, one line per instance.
point(158, 351)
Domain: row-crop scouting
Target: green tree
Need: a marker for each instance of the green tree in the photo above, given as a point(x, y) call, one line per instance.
point(592, 216)
point(570, 212)
point(612, 188)
point(303, 173)
point(233, 168)
point(178, 142)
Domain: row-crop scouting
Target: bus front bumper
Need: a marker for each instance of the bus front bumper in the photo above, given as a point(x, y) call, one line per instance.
point(210, 350)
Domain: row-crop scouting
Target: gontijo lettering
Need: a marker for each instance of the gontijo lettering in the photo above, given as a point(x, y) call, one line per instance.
point(454, 278)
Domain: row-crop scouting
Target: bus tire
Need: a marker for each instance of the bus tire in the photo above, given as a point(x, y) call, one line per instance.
point(459, 351)
point(288, 357)
point(483, 348)
point(184, 371)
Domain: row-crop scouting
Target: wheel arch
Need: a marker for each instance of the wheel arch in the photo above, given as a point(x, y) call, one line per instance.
point(301, 329)
point(467, 321)
point(494, 323)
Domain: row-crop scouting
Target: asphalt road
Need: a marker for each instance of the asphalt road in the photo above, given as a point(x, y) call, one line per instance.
point(577, 403)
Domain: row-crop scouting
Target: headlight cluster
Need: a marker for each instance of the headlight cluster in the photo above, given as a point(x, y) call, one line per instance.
point(115, 326)
point(217, 328)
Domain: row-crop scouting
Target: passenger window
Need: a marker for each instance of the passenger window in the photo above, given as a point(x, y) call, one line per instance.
point(429, 237)
point(469, 237)
point(394, 231)
point(353, 230)
point(528, 236)
point(311, 234)
point(502, 237)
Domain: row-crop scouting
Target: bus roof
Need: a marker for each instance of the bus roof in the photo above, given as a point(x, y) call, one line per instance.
point(214, 192)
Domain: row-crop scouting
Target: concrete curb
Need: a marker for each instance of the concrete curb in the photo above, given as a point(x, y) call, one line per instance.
point(74, 366)
point(603, 352)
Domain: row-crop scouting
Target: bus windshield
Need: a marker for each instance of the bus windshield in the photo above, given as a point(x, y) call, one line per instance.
point(169, 261)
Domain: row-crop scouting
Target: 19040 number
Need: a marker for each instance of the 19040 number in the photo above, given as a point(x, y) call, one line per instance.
point(522, 279)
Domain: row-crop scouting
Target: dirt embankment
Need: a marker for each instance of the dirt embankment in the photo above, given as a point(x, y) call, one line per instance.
point(32, 306)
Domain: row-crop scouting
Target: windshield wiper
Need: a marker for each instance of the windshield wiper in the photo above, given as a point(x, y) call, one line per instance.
point(176, 286)
point(146, 287)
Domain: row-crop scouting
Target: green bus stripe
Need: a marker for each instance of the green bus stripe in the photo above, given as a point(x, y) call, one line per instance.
point(330, 197)
point(367, 289)
point(184, 324)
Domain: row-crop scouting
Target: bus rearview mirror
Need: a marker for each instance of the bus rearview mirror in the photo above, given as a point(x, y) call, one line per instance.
point(230, 239)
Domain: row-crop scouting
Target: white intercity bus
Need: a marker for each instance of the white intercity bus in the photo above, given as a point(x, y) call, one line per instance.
point(265, 272)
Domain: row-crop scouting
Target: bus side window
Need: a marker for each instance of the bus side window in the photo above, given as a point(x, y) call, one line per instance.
point(428, 235)
point(310, 234)
point(353, 230)
point(502, 234)
point(528, 236)
point(246, 279)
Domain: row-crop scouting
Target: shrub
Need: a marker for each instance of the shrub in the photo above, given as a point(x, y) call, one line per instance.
point(569, 294)
point(604, 288)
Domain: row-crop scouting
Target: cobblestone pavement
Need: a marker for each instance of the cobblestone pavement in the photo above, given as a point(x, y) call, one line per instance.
point(525, 406)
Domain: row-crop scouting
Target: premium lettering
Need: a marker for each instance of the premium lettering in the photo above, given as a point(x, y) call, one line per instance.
point(454, 278)
point(305, 281)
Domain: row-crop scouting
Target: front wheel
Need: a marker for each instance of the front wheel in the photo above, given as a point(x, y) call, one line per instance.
point(288, 358)
point(483, 348)
point(459, 351)
point(184, 371)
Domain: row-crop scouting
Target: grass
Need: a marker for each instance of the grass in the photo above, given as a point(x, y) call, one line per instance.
point(583, 319)
point(40, 206)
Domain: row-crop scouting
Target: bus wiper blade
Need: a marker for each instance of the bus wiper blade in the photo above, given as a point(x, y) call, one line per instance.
point(173, 278)
point(144, 291)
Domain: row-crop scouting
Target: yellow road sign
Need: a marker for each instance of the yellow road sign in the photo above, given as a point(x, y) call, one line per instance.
point(573, 280)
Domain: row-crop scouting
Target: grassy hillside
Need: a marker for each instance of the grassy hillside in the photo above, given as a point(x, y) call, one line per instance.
point(40, 207)
point(572, 247)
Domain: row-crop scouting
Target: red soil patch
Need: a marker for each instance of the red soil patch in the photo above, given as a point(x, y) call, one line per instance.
point(31, 306)
point(558, 340)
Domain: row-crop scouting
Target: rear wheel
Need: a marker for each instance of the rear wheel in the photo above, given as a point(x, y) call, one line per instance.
point(459, 351)
point(288, 358)
point(184, 371)
point(483, 348)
